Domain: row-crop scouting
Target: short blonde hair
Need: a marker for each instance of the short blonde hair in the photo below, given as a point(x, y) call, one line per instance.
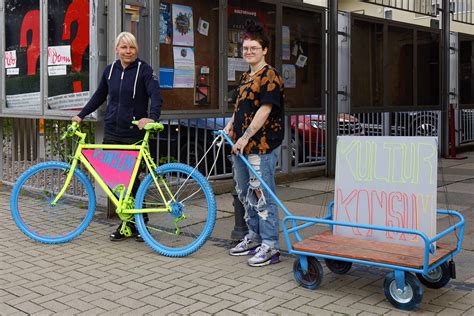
point(128, 38)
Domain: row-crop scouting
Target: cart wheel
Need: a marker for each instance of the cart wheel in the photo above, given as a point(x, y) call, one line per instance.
point(338, 266)
point(312, 279)
point(436, 278)
point(407, 299)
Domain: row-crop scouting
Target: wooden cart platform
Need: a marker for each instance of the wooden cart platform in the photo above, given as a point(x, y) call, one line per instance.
point(374, 251)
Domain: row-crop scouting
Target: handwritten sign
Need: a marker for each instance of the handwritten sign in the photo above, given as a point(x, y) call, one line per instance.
point(59, 55)
point(10, 59)
point(386, 181)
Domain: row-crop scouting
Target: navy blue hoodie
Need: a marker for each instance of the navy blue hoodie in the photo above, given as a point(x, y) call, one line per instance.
point(128, 92)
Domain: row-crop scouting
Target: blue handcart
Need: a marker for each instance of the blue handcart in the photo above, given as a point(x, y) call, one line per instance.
point(409, 265)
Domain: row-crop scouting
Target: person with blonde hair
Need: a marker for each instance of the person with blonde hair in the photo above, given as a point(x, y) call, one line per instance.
point(127, 85)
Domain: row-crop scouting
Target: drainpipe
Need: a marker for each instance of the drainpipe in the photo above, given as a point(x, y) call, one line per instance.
point(331, 106)
point(445, 76)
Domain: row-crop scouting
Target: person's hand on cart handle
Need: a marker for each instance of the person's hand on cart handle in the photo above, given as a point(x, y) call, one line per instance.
point(229, 128)
point(240, 145)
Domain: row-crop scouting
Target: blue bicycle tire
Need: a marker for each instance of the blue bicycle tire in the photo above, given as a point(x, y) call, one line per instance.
point(200, 220)
point(68, 221)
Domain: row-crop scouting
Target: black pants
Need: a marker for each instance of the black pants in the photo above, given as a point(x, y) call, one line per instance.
point(113, 140)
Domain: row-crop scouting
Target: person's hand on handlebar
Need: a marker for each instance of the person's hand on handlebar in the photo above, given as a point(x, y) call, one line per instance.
point(142, 122)
point(76, 119)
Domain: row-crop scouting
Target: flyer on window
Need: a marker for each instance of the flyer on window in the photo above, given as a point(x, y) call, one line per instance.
point(286, 51)
point(289, 75)
point(165, 23)
point(183, 29)
point(183, 67)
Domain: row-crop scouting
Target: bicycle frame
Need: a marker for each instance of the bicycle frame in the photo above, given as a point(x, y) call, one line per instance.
point(123, 204)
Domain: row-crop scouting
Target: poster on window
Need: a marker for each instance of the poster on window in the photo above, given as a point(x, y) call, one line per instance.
point(165, 23)
point(22, 52)
point(183, 29)
point(183, 67)
point(68, 54)
point(289, 75)
point(286, 51)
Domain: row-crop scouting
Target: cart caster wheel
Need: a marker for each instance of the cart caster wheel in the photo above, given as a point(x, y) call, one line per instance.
point(338, 266)
point(407, 299)
point(436, 278)
point(312, 279)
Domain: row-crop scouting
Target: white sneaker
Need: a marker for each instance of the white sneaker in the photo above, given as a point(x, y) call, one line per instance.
point(244, 248)
point(264, 256)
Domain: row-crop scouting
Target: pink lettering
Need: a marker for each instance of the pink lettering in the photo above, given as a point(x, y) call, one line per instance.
point(10, 60)
point(56, 58)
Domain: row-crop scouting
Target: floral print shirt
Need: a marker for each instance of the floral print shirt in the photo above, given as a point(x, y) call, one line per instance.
point(264, 87)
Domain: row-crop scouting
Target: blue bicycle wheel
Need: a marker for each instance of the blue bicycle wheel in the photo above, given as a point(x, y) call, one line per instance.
point(35, 190)
point(192, 216)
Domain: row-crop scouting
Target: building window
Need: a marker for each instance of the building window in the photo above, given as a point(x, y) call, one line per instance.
point(22, 55)
point(68, 54)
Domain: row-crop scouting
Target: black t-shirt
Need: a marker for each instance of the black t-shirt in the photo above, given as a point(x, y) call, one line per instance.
point(264, 87)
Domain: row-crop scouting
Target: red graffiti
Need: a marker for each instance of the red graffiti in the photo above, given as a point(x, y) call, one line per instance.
point(78, 11)
point(31, 22)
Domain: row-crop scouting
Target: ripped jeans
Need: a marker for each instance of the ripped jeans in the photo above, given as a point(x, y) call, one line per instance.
point(261, 213)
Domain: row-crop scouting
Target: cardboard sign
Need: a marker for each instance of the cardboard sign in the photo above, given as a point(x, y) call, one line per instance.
point(386, 181)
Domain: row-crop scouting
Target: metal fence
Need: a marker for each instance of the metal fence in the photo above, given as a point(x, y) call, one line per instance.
point(466, 126)
point(462, 11)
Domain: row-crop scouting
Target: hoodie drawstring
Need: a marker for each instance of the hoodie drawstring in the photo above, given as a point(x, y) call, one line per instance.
point(136, 79)
point(111, 68)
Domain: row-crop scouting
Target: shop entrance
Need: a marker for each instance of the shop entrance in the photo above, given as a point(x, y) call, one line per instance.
point(136, 20)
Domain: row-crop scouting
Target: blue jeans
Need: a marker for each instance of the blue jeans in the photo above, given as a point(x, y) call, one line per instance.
point(261, 213)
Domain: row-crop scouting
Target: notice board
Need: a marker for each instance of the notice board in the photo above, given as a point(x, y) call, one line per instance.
point(386, 181)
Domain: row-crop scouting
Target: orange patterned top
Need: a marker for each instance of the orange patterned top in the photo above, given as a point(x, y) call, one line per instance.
point(264, 87)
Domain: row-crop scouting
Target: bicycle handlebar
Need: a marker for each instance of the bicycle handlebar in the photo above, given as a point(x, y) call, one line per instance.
point(70, 131)
point(155, 126)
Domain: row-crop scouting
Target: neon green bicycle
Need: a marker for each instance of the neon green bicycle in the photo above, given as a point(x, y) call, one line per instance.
point(54, 202)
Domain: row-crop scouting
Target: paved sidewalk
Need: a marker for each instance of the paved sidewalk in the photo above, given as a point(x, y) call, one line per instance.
point(91, 275)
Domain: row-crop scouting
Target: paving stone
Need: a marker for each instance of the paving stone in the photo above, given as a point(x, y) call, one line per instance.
point(217, 307)
point(28, 307)
point(191, 308)
point(227, 312)
point(342, 309)
point(285, 311)
point(244, 305)
point(257, 312)
point(366, 307)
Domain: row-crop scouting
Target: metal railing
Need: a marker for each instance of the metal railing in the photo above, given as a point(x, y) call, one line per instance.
point(462, 11)
point(466, 126)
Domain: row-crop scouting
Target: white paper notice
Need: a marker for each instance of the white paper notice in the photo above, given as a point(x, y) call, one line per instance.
point(301, 61)
point(57, 70)
point(235, 64)
point(183, 67)
point(13, 71)
point(10, 59)
point(289, 76)
point(203, 27)
point(59, 55)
